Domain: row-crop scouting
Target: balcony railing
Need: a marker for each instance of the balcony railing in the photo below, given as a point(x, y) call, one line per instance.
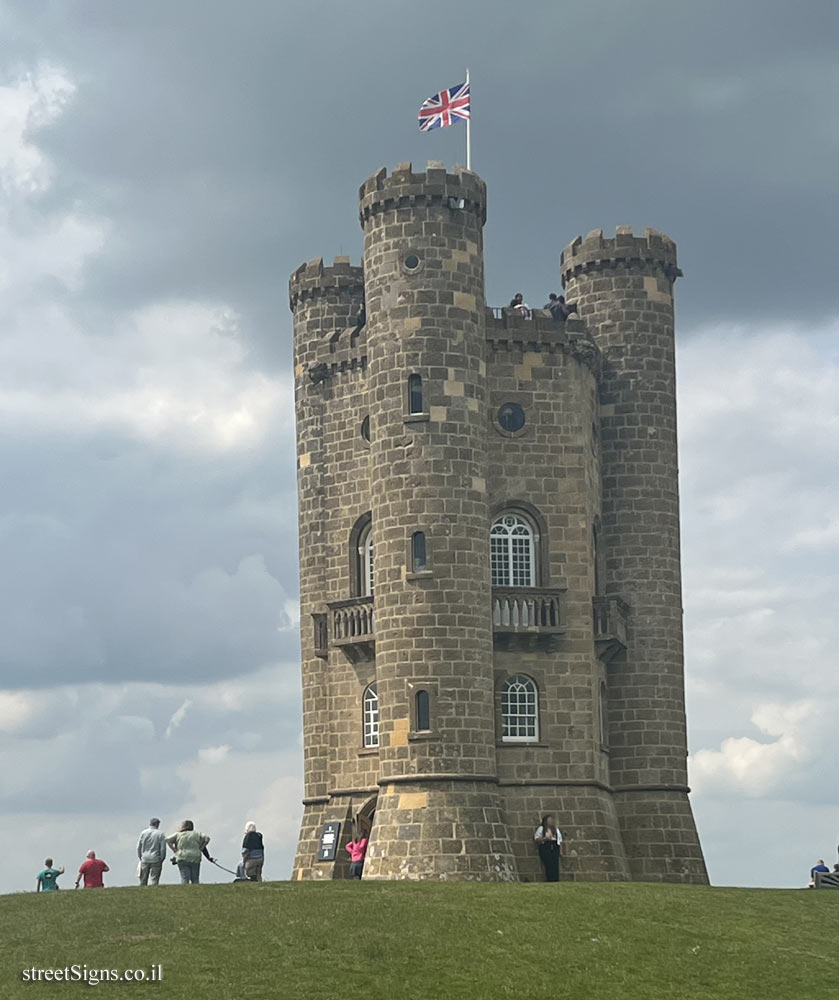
point(610, 616)
point(520, 615)
point(353, 626)
point(526, 614)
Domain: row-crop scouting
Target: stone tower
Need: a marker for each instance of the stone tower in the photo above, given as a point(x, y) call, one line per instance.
point(490, 602)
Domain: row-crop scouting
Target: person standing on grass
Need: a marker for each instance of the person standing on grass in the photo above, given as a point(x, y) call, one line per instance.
point(188, 845)
point(549, 840)
point(47, 880)
point(151, 850)
point(253, 853)
point(92, 871)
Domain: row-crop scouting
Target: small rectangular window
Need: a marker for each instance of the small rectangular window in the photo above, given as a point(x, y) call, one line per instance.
point(418, 559)
point(423, 711)
point(415, 394)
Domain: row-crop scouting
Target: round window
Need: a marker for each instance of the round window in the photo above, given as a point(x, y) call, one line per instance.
point(511, 417)
point(411, 262)
point(365, 428)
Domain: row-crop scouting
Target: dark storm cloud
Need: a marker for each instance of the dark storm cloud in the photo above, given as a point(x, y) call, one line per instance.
point(227, 141)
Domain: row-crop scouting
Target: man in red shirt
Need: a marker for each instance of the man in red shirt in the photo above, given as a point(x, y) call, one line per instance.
point(92, 871)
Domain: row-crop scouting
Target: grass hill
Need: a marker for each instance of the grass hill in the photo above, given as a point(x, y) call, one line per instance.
point(424, 941)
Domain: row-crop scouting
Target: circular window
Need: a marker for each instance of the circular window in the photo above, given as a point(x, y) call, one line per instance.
point(411, 262)
point(511, 417)
point(365, 428)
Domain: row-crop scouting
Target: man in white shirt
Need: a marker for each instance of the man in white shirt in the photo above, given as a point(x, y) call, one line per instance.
point(151, 850)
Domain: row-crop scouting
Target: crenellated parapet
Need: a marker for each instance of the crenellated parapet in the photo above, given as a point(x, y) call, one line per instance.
point(541, 334)
point(621, 251)
point(460, 191)
point(314, 280)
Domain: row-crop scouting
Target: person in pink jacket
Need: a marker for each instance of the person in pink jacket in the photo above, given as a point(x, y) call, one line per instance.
point(357, 850)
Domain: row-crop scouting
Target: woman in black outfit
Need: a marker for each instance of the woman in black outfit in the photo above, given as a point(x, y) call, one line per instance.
point(549, 840)
point(253, 853)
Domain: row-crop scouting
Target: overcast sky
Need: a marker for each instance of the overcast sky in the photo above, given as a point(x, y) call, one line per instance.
point(165, 165)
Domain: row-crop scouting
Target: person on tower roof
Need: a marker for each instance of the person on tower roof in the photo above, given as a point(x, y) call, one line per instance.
point(517, 302)
point(559, 308)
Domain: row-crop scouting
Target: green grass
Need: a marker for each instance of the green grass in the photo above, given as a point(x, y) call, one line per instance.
point(430, 940)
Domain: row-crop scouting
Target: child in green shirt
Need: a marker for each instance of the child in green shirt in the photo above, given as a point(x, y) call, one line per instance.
point(48, 878)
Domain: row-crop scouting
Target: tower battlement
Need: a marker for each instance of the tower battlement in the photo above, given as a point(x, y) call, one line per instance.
point(624, 249)
point(461, 190)
point(314, 279)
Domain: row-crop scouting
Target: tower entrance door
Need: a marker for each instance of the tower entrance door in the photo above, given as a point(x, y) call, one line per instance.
point(364, 818)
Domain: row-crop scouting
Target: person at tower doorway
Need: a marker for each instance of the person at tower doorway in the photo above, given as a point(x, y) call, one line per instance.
point(253, 853)
point(549, 841)
point(357, 851)
point(188, 845)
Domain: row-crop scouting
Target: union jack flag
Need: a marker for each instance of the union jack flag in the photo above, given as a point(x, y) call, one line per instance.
point(445, 108)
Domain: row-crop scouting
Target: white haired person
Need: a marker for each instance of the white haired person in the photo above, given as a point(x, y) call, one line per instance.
point(188, 845)
point(253, 853)
point(92, 870)
point(151, 851)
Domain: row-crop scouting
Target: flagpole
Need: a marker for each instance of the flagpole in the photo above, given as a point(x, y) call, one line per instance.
point(469, 129)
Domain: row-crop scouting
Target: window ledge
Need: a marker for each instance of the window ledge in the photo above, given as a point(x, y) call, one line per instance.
point(425, 734)
point(369, 752)
point(416, 418)
point(422, 574)
point(604, 748)
point(522, 743)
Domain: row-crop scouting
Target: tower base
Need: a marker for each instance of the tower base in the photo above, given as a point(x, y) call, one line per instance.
point(659, 834)
point(444, 830)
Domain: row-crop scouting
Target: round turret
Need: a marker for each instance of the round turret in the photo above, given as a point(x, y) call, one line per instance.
point(623, 287)
point(426, 345)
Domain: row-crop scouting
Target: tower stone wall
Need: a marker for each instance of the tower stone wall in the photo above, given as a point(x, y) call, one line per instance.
point(624, 290)
point(453, 790)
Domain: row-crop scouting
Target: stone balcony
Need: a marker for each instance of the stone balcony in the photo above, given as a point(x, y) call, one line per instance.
point(526, 617)
point(353, 626)
point(610, 615)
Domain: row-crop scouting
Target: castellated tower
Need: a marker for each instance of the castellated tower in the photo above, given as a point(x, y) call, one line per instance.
point(490, 627)
point(624, 289)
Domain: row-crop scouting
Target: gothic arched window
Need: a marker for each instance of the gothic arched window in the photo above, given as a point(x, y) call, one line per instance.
point(512, 552)
point(519, 710)
point(365, 562)
point(370, 715)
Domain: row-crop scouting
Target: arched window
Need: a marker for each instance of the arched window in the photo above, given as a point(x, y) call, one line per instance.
point(365, 562)
point(371, 716)
point(415, 394)
point(519, 710)
point(512, 552)
point(604, 718)
point(422, 704)
point(418, 557)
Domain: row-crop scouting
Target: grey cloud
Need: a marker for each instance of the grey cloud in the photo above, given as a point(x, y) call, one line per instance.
point(145, 566)
point(227, 143)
